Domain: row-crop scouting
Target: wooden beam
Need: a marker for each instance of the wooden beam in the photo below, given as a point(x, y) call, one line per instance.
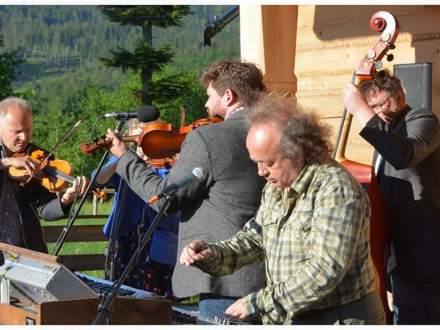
point(83, 262)
point(83, 233)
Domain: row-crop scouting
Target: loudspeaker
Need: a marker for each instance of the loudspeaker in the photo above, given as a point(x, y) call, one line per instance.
point(416, 79)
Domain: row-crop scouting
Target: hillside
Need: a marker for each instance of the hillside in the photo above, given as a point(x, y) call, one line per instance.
point(53, 40)
point(64, 79)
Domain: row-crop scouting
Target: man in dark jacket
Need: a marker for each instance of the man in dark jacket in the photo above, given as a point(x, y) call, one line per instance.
point(217, 206)
point(19, 219)
point(407, 163)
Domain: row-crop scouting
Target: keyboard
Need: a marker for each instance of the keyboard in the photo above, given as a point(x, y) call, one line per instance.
point(183, 316)
point(102, 286)
point(178, 314)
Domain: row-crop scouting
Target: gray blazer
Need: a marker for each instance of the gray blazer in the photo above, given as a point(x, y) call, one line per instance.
point(212, 209)
point(409, 178)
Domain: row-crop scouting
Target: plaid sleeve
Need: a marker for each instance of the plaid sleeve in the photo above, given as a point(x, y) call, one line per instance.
point(241, 249)
point(339, 217)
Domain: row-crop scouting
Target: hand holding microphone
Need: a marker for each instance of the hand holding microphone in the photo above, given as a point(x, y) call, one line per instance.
point(197, 174)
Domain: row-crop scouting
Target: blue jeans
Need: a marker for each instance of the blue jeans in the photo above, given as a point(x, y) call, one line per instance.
point(415, 302)
point(211, 305)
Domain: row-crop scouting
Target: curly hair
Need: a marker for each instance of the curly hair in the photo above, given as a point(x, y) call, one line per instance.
point(300, 132)
point(382, 80)
point(244, 79)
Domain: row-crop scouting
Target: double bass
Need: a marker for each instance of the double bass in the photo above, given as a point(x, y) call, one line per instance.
point(387, 24)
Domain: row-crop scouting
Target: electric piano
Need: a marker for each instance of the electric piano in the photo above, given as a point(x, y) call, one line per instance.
point(36, 289)
point(179, 315)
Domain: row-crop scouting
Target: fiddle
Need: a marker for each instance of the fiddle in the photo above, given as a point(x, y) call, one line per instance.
point(160, 142)
point(53, 174)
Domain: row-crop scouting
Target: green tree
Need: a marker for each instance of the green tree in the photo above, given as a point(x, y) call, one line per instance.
point(8, 63)
point(145, 59)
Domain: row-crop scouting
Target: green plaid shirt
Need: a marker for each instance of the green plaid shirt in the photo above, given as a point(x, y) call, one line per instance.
point(314, 237)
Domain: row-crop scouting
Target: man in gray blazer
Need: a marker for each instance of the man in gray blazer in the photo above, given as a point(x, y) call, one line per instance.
point(217, 206)
point(407, 165)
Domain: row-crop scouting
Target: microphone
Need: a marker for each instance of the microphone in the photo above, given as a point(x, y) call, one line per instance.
point(196, 174)
point(143, 114)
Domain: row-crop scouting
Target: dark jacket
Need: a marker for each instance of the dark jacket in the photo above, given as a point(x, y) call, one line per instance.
point(212, 209)
point(34, 201)
point(409, 178)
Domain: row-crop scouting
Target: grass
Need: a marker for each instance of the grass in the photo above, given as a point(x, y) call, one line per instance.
point(76, 248)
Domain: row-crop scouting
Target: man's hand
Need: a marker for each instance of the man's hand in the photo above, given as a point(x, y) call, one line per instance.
point(79, 187)
point(25, 162)
point(195, 251)
point(237, 310)
point(356, 104)
point(118, 147)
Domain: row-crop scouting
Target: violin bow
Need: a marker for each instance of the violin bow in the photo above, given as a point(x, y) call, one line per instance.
point(55, 147)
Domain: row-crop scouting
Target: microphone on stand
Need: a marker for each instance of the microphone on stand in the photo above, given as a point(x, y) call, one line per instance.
point(196, 174)
point(143, 114)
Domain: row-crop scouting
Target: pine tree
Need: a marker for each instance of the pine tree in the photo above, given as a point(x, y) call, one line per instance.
point(146, 59)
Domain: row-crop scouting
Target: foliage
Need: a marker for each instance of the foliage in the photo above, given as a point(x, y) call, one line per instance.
point(142, 58)
point(54, 40)
point(85, 104)
point(161, 16)
point(8, 64)
point(145, 59)
point(65, 81)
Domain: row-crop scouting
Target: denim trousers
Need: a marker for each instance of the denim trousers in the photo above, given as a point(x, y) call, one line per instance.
point(211, 305)
point(415, 302)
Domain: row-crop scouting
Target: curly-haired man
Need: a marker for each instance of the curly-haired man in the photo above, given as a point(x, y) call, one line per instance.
point(312, 229)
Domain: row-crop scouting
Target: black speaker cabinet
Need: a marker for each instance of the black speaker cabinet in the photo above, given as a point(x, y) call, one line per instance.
point(416, 80)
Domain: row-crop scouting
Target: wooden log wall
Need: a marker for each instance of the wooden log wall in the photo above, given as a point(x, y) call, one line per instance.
point(330, 41)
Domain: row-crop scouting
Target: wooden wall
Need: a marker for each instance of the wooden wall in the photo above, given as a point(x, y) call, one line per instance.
point(330, 42)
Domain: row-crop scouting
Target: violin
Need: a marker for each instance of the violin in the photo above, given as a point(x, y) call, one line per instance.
point(53, 174)
point(160, 142)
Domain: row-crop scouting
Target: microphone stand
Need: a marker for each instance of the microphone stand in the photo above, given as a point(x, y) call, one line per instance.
point(60, 241)
point(108, 298)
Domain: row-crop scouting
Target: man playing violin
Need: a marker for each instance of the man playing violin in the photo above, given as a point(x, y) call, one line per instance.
point(406, 162)
point(19, 223)
point(217, 206)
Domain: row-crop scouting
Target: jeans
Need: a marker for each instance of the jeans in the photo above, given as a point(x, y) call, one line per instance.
point(211, 305)
point(415, 302)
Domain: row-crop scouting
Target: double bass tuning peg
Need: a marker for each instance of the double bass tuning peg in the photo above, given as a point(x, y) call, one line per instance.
point(390, 57)
point(378, 65)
